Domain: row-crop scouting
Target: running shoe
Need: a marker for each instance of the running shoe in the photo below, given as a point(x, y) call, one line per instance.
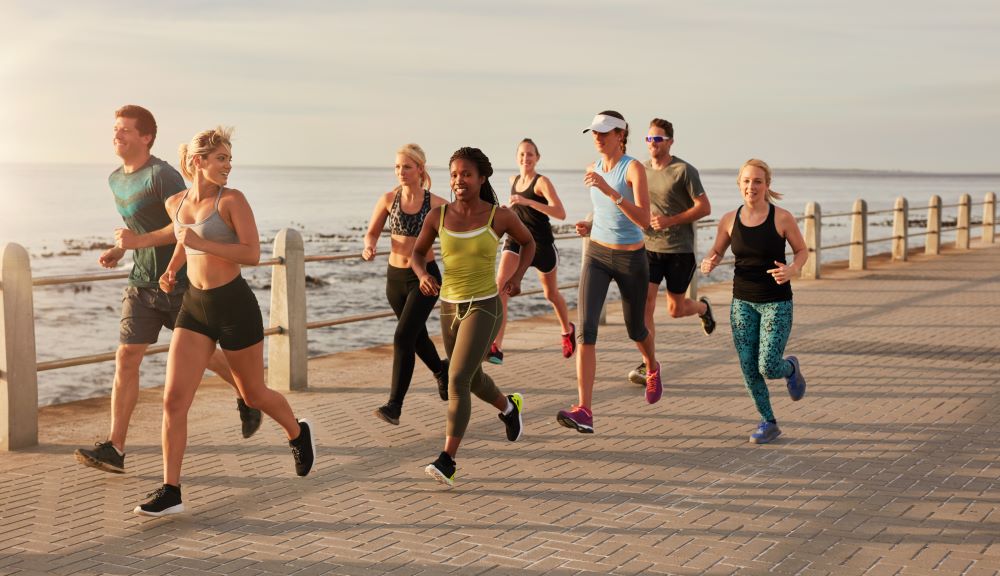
point(303, 449)
point(569, 341)
point(654, 387)
point(796, 381)
point(442, 470)
point(495, 355)
point(577, 417)
point(103, 457)
point(638, 375)
point(766, 432)
point(163, 501)
point(249, 418)
point(388, 413)
point(442, 380)
point(513, 421)
point(707, 320)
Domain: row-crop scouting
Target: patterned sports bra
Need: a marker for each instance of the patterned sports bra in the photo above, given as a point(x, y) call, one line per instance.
point(403, 224)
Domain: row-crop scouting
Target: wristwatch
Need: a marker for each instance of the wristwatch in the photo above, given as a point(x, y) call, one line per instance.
point(618, 202)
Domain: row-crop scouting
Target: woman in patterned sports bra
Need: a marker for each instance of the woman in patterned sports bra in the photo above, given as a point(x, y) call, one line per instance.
point(404, 209)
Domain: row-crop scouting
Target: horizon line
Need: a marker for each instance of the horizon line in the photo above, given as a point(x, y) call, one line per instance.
point(894, 171)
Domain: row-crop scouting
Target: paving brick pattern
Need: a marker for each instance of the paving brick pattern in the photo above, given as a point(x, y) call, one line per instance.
point(889, 465)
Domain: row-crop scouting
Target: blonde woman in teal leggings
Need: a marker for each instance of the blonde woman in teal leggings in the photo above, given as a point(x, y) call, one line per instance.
point(761, 312)
point(470, 229)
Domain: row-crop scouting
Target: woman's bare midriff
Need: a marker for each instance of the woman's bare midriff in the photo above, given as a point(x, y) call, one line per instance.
point(402, 248)
point(205, 271)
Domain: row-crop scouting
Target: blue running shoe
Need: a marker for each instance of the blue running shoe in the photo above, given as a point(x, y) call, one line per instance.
point(796, 382)
point(766, 432)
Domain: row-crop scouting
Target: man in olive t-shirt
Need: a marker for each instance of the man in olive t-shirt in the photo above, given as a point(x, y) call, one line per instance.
point(141, 185)
point(677, 200)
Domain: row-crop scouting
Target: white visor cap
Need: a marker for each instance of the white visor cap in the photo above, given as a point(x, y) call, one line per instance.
point(603, 123)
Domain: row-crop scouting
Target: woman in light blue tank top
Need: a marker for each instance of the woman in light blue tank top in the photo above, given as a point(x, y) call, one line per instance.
point(616, 251)
point(216, 234)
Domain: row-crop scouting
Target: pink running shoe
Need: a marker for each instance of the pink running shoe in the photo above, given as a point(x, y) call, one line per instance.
point(654, 388)
point(578, 417)
point(569, 341)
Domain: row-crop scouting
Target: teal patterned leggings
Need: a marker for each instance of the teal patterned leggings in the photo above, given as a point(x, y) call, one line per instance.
point(760, 332)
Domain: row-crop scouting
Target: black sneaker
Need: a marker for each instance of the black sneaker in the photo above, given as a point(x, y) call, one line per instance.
point(442, 380)
point(103, 457)
point(707, 320)
point(513, 420)
point(442, 470)
point(249, 417)
point(163, 501)
point(303, 449)
point(388, 413)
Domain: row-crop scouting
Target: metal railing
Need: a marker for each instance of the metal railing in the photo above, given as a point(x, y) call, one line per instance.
point(287, 349)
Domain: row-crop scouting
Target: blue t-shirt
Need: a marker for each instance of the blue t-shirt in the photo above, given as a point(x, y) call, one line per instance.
point(611, 225)
point(139, 197)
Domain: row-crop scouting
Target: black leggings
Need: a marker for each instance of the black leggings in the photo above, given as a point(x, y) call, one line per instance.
point(630, 270)
point(412, 308)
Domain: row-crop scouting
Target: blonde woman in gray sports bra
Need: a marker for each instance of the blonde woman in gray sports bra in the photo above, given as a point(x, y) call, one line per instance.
point(216, 234)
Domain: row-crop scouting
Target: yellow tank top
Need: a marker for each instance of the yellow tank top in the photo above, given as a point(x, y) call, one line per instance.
point(469, 262)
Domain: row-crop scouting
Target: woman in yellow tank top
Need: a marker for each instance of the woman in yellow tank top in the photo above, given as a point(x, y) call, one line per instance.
point(470, 229)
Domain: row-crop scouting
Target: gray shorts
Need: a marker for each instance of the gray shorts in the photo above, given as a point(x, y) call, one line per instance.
point(145, 311)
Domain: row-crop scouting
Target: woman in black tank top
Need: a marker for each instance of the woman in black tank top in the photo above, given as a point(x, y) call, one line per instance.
point(533, 198)
point(404, 208)
point(761, 310)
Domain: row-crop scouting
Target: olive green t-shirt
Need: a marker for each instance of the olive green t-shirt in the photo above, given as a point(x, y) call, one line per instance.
point(139, 197)
point(672, 190)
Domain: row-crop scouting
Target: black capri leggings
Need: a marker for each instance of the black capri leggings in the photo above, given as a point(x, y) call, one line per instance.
point(630, 270)
point(228, 314)
point(402, 289)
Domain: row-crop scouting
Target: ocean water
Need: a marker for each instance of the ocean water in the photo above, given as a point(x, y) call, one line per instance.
point(65, 216)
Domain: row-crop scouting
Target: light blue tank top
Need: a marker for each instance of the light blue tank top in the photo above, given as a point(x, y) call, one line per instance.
point(213, 228)
point(611, 225)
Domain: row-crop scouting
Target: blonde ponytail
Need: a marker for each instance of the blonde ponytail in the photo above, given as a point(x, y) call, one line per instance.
point(202, 145)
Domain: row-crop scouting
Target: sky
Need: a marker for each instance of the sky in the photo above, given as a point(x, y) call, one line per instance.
point(896, 85)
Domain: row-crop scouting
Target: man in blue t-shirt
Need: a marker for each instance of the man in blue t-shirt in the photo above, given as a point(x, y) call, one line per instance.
point(141, 185)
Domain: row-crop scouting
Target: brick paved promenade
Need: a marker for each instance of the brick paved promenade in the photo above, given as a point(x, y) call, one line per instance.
point(890, 465)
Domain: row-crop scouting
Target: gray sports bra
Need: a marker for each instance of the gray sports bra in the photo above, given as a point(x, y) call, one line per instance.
point(213, 228)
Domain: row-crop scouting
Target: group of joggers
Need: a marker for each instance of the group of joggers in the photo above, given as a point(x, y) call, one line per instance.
point(189, 243)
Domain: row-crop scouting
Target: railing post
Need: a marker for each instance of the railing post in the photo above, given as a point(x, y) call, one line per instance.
point(813, 227)
point(858, 259)
point(286, 352)
point(989, 218)
point(962, 233)
point(18, 373)
point(932, 245)
point(900, 230)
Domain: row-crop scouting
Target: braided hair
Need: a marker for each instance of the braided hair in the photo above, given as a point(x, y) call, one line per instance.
point(483, 166)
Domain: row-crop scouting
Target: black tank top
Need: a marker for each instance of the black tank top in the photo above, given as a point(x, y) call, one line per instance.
point(536, 222)
point(756, 249)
